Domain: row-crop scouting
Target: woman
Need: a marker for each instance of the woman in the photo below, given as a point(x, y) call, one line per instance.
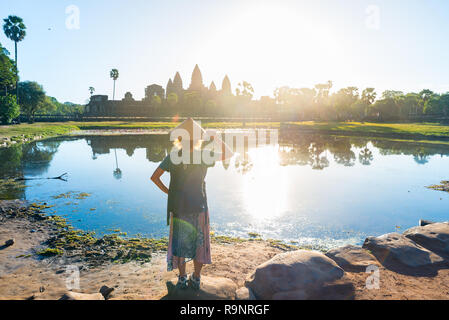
point(187, 210)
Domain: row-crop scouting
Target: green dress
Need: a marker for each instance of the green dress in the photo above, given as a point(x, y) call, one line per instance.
point(187, 206)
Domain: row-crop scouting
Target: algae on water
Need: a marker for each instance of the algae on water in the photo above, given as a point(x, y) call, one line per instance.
point(444, 186)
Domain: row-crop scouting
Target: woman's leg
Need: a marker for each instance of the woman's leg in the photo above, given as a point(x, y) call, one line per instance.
point(197, 266)
point(182, 267)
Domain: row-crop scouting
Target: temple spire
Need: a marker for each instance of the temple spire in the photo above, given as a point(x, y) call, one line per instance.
point(177, 85)
point(177, 82)
point(212, 87)
point(226, 86)
point(197, 80)
point(169, 88)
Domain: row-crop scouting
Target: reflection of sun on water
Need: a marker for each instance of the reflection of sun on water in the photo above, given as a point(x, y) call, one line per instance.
point(265, 185)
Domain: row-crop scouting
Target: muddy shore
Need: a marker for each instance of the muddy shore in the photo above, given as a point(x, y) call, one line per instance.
point(35, 266)
point(136, 268)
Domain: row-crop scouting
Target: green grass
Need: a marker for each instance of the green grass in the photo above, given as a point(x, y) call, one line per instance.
point(393, 129)
point(50, 252)
point(59, 128)
point(36, 129)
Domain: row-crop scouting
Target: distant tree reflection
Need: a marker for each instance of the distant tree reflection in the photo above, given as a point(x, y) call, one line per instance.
point(24, 160)
point(295, 148)
point(421, 158)
point(366, 156)
point(317, 161)
point(36, 157)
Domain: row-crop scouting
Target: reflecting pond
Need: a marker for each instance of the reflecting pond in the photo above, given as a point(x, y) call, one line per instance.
point(315, 190)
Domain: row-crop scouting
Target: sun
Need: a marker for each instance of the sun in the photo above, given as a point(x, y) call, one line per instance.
point(277, 42)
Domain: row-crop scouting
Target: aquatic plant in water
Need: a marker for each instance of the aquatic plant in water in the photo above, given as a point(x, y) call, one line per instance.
point(444, 186)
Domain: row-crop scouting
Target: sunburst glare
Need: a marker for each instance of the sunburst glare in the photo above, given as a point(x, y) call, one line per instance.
point(265, 187)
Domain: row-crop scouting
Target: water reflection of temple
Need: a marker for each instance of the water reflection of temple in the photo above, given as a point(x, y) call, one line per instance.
point(156, 145)
point(294, 148)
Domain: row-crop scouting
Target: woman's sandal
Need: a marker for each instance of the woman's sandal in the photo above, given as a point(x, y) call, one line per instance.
point(194, 282)
point(182, 282)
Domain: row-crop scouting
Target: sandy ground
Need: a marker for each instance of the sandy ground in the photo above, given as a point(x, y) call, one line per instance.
point(27, 277)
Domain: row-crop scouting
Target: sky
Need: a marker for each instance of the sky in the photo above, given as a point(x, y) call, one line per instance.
point(399, 45)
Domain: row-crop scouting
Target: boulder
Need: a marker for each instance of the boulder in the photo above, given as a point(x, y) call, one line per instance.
point(210, 289)
point(294, 275)
point(400, 254)
point(339, 290)
point(9, 242)
point(244, 293)
point(81, 296)
point(352, 258)
point(434, 237)
point(291, 295)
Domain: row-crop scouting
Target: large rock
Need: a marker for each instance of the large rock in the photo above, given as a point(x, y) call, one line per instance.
point(400, 254)
point(433, 237)
point(210, 289)
point(81, 296)
point(352, 258)
point(293, 275)
point(338, 290)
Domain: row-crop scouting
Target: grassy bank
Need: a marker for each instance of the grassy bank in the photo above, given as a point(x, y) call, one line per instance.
point(398, 129)
point(61, 128)
point(15, 132)
point(417, 131)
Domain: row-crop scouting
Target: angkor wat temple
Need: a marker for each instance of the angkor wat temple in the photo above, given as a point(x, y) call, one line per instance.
point(162, 102)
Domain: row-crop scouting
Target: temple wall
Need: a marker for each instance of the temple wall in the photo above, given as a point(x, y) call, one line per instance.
point(120, 108)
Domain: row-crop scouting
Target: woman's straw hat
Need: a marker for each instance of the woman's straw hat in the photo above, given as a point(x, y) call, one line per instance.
point(193, 128)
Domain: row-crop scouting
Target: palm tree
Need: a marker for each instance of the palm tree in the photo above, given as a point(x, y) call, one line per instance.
point(14, 29)
point(117, 172)
point(114, 76)
point(91, 90)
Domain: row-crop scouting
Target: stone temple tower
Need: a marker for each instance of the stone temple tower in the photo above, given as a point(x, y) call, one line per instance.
point(169, 88)
point(212, 88)
point(226, 87)
point(177, 85)
point(197, 80)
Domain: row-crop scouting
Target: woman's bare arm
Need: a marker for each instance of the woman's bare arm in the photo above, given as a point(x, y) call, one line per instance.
point(156, 178)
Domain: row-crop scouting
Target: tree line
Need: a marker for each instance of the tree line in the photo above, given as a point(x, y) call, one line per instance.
point(317, 103)
point(351, 103)
point(26, 97)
